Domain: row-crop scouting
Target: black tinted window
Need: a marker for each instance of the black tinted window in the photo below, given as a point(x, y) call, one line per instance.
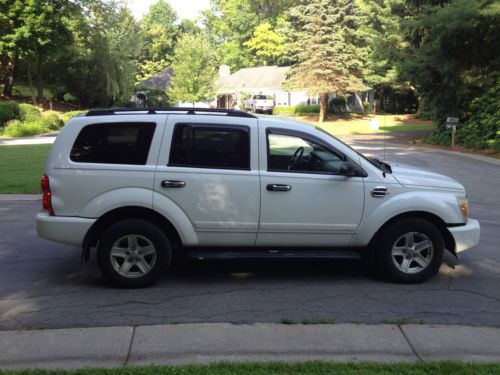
point(209, 146)
point(113, 143)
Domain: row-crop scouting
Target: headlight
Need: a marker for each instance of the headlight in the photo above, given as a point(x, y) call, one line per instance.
point(463, 204)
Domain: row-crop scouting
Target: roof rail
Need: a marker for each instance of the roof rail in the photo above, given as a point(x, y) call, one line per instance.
point(169, 110)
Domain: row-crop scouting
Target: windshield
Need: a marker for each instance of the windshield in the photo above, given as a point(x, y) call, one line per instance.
point(373, 161)
point(260, 97)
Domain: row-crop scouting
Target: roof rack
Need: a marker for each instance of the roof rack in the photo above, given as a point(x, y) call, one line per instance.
point(169, 110)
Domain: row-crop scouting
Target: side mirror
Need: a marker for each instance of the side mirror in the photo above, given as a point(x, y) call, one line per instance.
point(350, 169)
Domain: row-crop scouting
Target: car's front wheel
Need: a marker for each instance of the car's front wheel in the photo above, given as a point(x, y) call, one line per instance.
point(409, 251)
point(133, 253)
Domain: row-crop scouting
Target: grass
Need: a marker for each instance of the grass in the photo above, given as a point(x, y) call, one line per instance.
point(360, 124)
point(304, 368)
point(21, 168)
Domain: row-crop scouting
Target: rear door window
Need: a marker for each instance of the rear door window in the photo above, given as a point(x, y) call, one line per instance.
point(210, 146)
point(114, 143)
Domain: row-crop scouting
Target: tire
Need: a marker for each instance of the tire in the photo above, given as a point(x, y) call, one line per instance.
point(141, 253)
point(397, 255)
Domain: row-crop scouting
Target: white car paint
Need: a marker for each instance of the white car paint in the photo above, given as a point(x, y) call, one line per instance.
point(220, 207)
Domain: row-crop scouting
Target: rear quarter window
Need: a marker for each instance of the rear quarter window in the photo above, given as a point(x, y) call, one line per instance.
point(113, 143)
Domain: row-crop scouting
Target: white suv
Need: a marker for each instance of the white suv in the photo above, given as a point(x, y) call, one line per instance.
point(140, 185)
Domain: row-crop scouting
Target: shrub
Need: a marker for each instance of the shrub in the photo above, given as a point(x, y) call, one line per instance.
point(51, 121)
point(28, 112)
point(483, 123)
point(297, 110)
point(16, 128)
point(65, 117)
point(8, 111)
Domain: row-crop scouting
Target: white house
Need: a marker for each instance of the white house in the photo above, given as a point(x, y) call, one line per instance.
point(268, 80)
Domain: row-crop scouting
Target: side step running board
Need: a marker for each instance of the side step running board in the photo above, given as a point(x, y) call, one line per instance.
point(273, 254)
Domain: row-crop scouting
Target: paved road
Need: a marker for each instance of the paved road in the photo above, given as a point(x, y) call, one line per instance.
point(43, 286)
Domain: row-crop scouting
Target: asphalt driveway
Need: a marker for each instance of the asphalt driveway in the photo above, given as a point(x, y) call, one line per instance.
point(43, 286)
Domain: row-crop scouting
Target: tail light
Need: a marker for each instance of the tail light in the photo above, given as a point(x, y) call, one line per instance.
point(46, 195)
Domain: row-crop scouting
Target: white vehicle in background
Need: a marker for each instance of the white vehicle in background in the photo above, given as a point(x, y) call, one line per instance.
point(259, 103)
point(141, 185)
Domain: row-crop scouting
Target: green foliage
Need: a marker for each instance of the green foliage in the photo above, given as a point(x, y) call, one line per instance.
point(65, 117)
point(481, 129)
point(17, 128)
point(328, 40)
point(32, 122)
point(159, 32)
point(297, 110)
point(229, 24)
point(451, 52)
point(266, 45)
point(194, 67)
point(8, 111)
point(28, 112)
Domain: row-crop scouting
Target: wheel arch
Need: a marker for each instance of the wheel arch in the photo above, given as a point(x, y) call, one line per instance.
point(97, 229)
point(424, 215)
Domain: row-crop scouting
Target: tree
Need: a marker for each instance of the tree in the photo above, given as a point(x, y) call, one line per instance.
point(194, 67)
point(229, 24)
point(99, 67)
point(452, 50)
point(33, 30)
point(329, 46)
point(266, 44)
point(160, 31)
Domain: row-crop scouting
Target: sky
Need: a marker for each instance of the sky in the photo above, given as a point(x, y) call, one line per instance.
point(184, 8)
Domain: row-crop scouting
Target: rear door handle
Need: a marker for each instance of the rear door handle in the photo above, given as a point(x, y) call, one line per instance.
point(278, 187)
point(172, 184)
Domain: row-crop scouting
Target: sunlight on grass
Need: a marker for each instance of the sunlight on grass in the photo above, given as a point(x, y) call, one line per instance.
point(360, 124)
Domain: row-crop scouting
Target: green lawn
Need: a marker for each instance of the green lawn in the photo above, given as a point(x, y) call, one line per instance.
point(305, 368)
point(360, 124)
point(21, 168)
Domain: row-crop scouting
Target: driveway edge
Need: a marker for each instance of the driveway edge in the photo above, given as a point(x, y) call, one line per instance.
point(214, 342)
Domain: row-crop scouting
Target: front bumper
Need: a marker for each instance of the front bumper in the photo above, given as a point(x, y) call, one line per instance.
point(64, 229)
point(466, 236)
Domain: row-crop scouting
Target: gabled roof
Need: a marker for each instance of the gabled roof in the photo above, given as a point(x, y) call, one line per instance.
point(263, 77)
point(159, 81)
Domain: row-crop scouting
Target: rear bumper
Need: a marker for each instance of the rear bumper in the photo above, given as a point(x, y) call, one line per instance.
point(466, 236)
point(68, 230)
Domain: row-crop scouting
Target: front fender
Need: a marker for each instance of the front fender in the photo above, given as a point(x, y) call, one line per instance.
point(441, 204)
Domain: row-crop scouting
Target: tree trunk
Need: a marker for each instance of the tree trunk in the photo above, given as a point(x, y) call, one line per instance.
point(39, 74)
point(30, 81)
point(11, 67)
point(323, 107)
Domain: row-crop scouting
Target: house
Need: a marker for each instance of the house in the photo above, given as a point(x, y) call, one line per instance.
point(268, 80)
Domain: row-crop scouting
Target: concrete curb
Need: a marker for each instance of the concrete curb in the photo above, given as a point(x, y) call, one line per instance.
point(206, 343)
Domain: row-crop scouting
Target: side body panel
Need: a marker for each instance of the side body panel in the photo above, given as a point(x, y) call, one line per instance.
point(318, 210)
point(222, 204)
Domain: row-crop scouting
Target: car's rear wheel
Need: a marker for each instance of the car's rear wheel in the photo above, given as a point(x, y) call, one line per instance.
point(409, 251)
point(133, 253)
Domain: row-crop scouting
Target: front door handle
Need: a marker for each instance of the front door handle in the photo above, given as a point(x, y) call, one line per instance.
point(172, 184)
point(278, 187)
